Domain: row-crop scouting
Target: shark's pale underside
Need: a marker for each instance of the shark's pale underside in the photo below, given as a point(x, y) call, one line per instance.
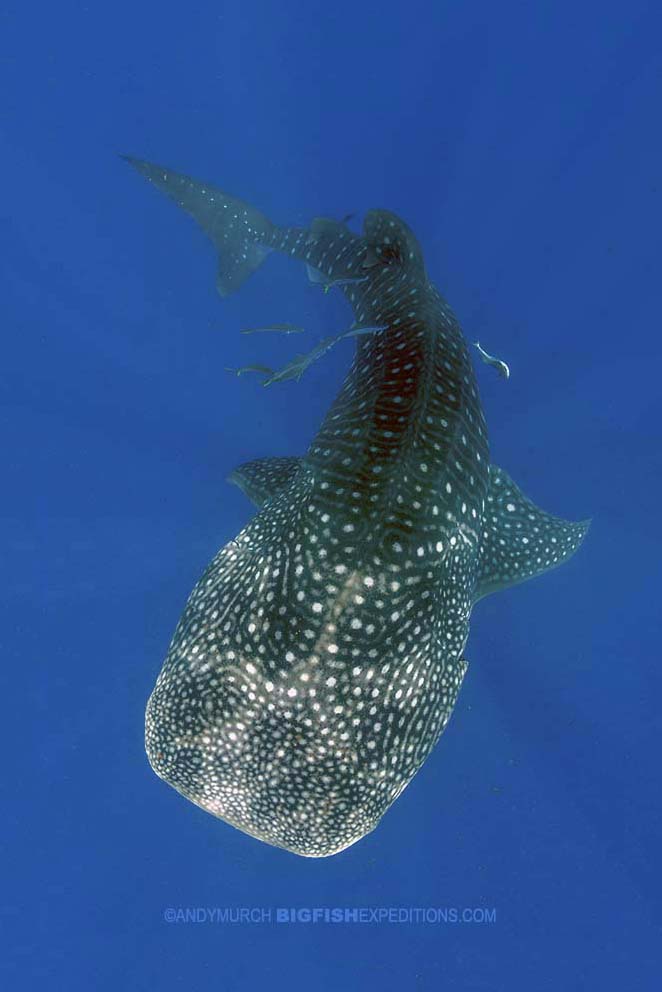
point(320, 655)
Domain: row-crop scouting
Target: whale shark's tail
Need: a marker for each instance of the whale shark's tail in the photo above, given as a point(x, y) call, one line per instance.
point(242, 235)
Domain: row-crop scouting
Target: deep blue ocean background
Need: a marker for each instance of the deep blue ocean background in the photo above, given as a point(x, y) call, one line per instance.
point(522, 142)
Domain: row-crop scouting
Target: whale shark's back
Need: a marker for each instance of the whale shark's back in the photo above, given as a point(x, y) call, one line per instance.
point(299, 695)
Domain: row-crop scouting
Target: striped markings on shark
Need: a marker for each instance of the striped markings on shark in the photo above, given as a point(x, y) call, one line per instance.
point(320, 656)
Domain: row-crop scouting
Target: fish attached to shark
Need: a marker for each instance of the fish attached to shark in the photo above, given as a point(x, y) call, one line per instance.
point(320, 656)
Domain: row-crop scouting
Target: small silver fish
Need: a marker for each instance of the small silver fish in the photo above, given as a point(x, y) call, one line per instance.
point(343, 282)
point(263, 369)
point(496, 363)
point(277, 328)
point(299, 364)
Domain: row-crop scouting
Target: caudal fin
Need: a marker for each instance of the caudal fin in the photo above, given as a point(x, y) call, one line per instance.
point(242, 235)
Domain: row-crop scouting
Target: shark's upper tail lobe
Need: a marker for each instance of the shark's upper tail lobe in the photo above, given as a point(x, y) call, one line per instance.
point(242, 234)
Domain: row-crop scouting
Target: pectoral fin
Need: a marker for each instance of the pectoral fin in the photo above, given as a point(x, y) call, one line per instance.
point(520, 540)
point(263, 478)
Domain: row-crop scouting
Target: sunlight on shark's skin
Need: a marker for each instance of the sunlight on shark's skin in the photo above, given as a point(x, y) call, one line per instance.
point(320, 655)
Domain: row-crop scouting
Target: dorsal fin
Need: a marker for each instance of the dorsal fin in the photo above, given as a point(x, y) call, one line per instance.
point(520, 540)
point(328, 226)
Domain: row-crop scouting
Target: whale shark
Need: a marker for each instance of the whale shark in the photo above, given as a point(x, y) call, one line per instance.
point(320, 655)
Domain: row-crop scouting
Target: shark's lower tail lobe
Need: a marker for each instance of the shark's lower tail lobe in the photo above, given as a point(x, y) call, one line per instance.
point(242, 234)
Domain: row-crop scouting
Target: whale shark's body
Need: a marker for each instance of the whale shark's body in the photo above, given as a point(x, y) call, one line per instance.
point(320, 655)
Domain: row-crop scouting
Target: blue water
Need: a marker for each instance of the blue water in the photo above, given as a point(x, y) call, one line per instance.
point(522, 143)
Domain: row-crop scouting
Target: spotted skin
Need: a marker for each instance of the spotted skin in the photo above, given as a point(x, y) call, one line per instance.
point(520, 540)
point(320, 655)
